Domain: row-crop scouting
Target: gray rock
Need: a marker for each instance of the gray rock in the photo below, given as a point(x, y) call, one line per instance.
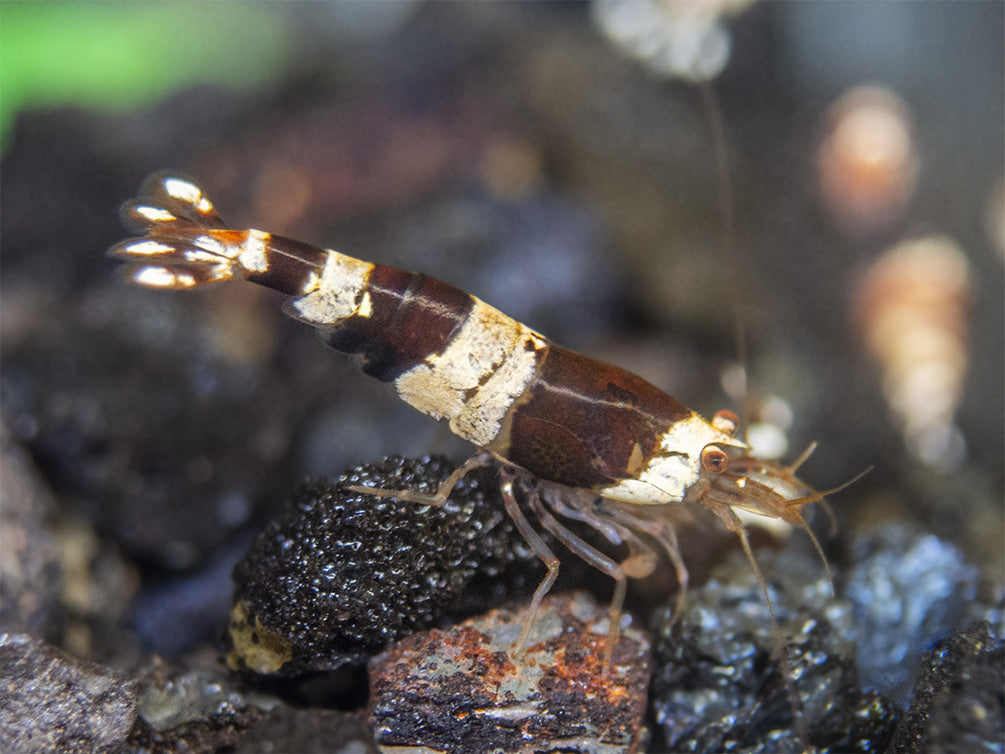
point(50, 701)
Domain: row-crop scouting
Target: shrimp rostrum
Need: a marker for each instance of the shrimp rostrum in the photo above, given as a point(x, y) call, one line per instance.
point(578, 439)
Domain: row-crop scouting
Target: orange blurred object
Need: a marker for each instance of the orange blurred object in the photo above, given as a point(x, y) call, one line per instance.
point(868, 162)
point(912, 308)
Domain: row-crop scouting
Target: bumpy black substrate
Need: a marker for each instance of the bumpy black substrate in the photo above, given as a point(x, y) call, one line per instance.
point(340, 574)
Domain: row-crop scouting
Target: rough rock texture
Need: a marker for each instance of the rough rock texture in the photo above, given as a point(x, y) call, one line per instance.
point(341, 573)
point(50, 701)
point(195, 710)
point(718, 686)
point(310, 731)
point(468, 689)
point(959, 701)
point(907, 588)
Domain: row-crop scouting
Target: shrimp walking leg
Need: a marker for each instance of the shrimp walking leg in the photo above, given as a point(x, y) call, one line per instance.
point(640, 563)
point(537, 544)
point(441, 495)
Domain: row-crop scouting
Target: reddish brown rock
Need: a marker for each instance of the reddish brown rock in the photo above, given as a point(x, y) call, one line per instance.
point(467, 690)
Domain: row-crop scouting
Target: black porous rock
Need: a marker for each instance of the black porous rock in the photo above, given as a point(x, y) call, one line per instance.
point(959, 701)
point(717, 684)
point(50, 701)
point(340, 573)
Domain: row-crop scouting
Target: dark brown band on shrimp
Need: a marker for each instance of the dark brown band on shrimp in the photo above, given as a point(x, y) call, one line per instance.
point(289, 263)
point(553, 430)
point(564, 417)
point(410, 318)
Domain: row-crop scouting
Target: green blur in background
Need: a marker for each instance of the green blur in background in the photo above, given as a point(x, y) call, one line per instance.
point(118, 56)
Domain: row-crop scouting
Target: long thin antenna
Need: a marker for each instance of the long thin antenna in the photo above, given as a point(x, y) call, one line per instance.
point(781, 647)
point(735, 262)
point(739, 291)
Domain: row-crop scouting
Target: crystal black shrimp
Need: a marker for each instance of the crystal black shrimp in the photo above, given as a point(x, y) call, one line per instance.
point(580, 439)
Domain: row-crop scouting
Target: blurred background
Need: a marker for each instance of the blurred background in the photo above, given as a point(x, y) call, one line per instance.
point(630, 177)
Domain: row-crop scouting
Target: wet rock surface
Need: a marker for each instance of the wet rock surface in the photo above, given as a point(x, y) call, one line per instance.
point(194, 710)
point(719, 686)
point(958, 704)
point(341, 573)
point(907, 589)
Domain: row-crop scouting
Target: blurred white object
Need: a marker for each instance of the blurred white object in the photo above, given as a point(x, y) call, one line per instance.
point(673, 38)
point(912, 308)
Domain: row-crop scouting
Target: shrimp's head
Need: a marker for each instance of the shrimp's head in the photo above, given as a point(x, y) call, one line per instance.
point(732, 477)
point(733, 480)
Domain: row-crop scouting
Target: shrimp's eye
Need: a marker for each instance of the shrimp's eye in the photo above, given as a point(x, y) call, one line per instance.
point(726, 421)
point(714, 459)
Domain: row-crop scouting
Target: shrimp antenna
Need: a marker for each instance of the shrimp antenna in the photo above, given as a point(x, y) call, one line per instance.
point(736, 264)
point(734, 261)
point(779, 638)
point(818, 497)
